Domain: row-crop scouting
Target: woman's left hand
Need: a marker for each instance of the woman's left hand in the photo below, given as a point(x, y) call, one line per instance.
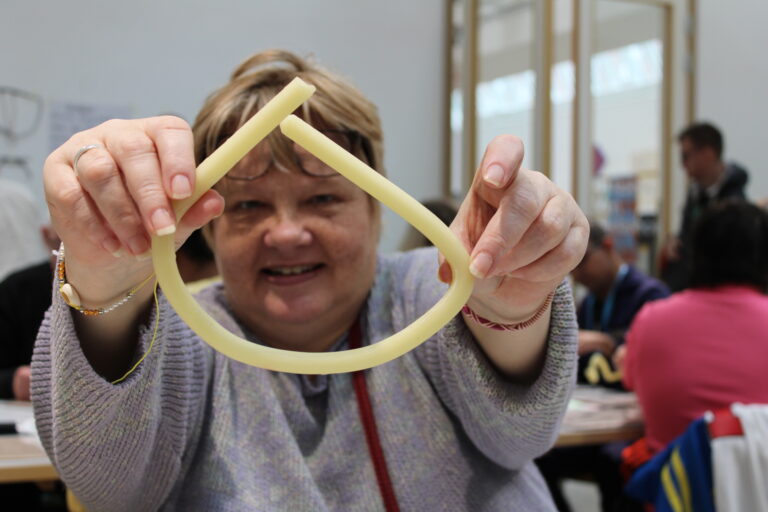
point(523, 233)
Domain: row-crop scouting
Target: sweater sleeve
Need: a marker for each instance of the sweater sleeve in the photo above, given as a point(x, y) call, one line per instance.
point(510, 423)
point(120, 446)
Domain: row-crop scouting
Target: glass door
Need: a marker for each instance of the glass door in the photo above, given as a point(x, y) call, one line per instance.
point(630, 89)
point(628, 151)
point(596, 89)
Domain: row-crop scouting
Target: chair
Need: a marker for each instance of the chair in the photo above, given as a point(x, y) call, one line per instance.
point(739, 439)
point(719, 463)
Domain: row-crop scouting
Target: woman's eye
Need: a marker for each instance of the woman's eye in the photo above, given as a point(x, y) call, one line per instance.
point(322, 199)
point(248, 205)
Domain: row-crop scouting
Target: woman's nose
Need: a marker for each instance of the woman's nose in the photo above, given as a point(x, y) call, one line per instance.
point(287, 231)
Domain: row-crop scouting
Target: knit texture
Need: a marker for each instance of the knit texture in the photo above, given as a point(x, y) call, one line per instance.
point(193, 430)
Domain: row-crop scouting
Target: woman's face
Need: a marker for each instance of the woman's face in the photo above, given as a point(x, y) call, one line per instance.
point(296, 253)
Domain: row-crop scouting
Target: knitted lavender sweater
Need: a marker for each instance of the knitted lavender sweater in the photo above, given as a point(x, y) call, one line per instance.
point(192, 430)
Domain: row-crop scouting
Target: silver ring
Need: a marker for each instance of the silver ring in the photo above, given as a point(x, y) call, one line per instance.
point(81, 152)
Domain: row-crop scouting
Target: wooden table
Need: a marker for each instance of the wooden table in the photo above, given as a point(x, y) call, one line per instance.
point(22, 458)
point(598, 415)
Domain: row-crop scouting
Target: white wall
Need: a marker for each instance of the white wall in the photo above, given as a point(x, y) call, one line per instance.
point(167, 55)
point(732, 80)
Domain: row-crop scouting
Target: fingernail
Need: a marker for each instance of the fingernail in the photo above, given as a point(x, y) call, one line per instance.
point(162, 222)
point(181, 188)
point(494, 175)
point(138, 245)
point(480, 265)
point(113, 247)
point(444, 273)
point(219, 212)
point(144, 256)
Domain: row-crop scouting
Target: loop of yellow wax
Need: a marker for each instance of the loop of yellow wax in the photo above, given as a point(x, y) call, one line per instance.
point(223, 159)
point(598, 366)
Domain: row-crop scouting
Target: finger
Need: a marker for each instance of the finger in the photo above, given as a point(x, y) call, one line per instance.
point(556, 264)
point(73, 213)
point(175, 149)
point(471, 219)
point(208, 207)
point(522, 204)
point(100, 177)
point(136, 156)
point(547, 232)
point(499, 167)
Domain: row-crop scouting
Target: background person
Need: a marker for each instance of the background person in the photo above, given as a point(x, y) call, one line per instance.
point(616, 292)
point(711, 180)
point(705, 348)
point(444, 209)
point(25, 296)
point(453, 424)
point(196, 263)
point(20, 222)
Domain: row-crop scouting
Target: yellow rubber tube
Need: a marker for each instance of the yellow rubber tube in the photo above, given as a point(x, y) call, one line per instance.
point(278, 111)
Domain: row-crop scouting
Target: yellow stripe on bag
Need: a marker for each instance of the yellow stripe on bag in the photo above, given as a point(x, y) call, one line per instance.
point(669, 489)
point(682, 480)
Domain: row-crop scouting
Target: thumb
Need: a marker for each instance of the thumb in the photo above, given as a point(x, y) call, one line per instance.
point(208, 207)
point(462, 229)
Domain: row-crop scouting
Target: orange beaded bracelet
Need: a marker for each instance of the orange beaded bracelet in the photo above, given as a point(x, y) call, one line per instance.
point(70, 296)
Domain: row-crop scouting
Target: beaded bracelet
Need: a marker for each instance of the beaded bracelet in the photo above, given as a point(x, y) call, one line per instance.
point(519, 326)
point(72, 299)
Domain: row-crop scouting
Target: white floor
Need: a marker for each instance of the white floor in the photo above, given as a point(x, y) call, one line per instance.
point(583, 496)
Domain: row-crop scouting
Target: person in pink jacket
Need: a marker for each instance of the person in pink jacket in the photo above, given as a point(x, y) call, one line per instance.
point(706, 347)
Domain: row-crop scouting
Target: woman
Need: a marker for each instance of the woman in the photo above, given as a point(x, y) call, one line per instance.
point(705, 348)
point(454, 424)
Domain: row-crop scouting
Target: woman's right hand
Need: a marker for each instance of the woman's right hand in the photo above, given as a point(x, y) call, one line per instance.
point(107, 209)
point(620, 358)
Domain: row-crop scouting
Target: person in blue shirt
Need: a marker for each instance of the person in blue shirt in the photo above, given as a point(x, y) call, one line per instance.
point(616, 293)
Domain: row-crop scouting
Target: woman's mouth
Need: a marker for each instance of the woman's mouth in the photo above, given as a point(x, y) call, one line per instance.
point(291, 274)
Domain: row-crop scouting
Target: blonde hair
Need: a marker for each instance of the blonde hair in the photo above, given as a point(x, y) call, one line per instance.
point(336, 105)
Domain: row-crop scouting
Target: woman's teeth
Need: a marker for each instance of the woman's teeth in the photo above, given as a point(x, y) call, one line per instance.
point(290, 271)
